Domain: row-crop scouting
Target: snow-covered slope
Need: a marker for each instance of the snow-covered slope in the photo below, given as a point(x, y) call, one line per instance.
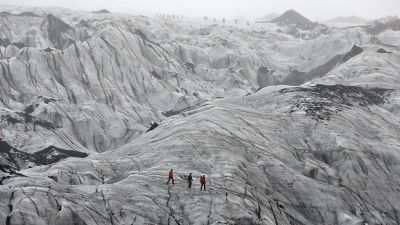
point(86, 68)
point(286, 155)
point(79, 90)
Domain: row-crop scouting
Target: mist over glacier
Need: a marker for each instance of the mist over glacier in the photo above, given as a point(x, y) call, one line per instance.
point(292, 121)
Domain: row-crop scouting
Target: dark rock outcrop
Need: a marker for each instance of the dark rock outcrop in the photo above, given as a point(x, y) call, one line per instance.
point(295, 78)
point(355, 50)
point(48, 49)
point(12, 159)
point(321, 101)
point(298, 77)
point(153, 126)
point(53, 154)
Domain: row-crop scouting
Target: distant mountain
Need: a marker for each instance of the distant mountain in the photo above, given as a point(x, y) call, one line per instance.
point(386, 19)
point(268, 17)
point(102, 11)
point(347, 21)
point(291, 18)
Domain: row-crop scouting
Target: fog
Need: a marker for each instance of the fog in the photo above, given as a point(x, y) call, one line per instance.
point(316, 10)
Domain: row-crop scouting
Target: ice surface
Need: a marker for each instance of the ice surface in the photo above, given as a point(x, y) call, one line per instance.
point(74, 84)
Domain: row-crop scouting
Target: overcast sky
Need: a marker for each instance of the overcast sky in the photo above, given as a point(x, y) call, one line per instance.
point(252, 9)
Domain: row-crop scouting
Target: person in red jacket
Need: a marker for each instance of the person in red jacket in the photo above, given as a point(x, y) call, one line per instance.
point(203, 182)
point(171, 176)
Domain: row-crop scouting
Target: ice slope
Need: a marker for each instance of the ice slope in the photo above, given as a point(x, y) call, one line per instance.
point(368, 69)
point(92, 82)
point(285, 155)
point(325, 152)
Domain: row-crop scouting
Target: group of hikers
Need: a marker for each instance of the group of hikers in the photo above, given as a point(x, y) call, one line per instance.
point(189, 180)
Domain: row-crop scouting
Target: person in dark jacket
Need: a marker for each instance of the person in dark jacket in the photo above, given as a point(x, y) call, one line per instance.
point(171, 176)
point(190, 180)
point(203, 182)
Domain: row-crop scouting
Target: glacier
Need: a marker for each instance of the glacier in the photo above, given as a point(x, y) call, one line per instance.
point(290, 123)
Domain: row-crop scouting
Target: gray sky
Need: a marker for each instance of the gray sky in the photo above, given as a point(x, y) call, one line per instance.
point(312, 9)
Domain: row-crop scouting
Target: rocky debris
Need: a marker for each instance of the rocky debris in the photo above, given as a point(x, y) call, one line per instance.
point(53, 154)
point(13, 159)
point(322, 101)
point(17, 160)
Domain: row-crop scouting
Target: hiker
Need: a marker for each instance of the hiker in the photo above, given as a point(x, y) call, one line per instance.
point(203, 182)
point(190, 180)
point(171, 176)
